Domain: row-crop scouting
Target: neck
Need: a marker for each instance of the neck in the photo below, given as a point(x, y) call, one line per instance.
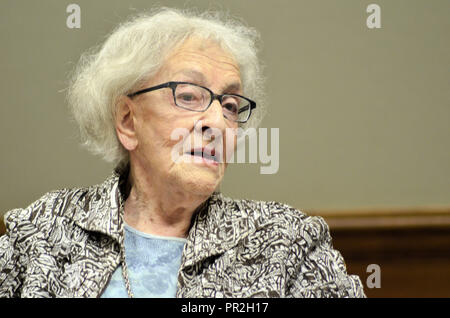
point(157, 207)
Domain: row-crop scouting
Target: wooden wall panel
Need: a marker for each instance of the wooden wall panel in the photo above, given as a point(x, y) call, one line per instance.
point(413, 262)
point(412, 248)
point(2, 226)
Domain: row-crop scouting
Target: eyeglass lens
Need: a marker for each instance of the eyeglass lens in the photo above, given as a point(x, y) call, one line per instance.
point(197, 98)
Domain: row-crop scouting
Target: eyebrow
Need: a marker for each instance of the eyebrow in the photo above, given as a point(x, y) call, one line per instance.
point(198, 76)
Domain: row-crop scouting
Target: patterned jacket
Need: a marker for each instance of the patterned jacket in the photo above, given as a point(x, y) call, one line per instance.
point(69, 242)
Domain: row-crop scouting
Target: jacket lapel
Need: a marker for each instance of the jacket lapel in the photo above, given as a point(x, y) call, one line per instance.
point(98, 210)
point(218, 226)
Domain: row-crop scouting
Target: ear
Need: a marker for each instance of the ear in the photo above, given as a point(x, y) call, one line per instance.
point(125, 127)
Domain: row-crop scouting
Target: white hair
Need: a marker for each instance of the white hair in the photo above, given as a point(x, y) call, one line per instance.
point(134, 52)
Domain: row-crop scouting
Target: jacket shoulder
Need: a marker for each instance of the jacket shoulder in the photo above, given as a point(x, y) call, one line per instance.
point(294, 223)
point(42, 213)
point(304, 245)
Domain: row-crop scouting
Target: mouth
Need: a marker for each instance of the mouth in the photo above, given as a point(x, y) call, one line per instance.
point(208, 155)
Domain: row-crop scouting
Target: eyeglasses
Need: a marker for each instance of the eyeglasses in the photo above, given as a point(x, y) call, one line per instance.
point(197, 98)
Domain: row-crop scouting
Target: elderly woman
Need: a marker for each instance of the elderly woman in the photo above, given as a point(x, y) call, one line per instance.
point(157, 227)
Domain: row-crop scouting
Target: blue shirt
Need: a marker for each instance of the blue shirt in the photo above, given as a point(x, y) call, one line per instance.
point(153, 263)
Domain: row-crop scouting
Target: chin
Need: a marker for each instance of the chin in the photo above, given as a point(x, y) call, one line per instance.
point(202, 183)
point(201, 191)
point(202, 186)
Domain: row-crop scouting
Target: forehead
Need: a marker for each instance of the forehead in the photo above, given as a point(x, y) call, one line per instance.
point(202, 60)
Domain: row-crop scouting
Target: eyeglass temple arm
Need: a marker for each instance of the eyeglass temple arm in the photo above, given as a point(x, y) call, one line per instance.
point(245, 108)
point(146, 90)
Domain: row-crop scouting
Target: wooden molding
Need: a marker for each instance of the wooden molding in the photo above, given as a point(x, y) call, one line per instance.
point(386, 218)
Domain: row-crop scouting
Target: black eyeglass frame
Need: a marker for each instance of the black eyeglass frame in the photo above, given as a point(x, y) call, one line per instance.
point(219, 97)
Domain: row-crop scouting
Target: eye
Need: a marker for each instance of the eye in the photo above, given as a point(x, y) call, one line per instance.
point(231, 104)
point(186, 97)
point(230, 107)
point(189, 98)
point(189, 95)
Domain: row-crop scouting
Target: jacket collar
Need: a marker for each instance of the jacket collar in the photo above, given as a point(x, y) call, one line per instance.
point(218, 224)
point(98, 208)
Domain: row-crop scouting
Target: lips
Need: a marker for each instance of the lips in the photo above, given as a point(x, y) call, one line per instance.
point(206, 153)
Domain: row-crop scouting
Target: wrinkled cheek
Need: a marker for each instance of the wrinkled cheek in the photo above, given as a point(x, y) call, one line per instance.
point(164, 140)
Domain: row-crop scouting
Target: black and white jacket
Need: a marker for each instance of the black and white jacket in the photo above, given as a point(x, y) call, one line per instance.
point(69, 242)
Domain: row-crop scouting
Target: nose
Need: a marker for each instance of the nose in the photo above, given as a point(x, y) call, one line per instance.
point(213, 117)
